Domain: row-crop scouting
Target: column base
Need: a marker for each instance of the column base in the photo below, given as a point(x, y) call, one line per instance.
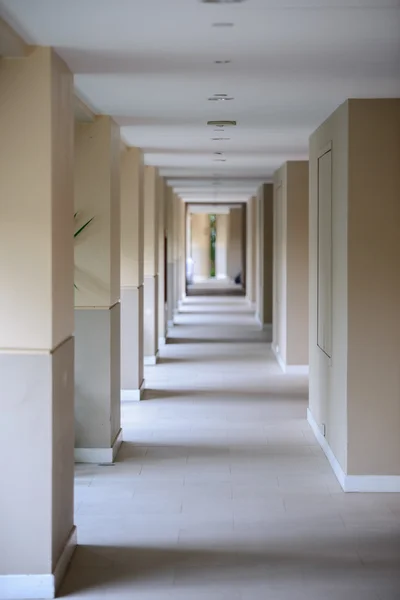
point(151, 361)
point(133, 395)
point(354, 483)
point(29, 587)
point(162, 341)
point(170, 324)
point(289, 369)
point(99, 455)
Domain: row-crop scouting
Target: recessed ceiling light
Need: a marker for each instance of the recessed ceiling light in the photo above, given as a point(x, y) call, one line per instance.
point(219, 153)
point(222, 62)
point(219, 159)
point(220, 98)
point(223, 24)
point(222, 1)
point(220, 139)
point(222, 124)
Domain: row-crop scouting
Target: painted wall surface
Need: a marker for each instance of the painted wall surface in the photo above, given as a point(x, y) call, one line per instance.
point(97, 194)
point(150, 221)
point(374, 288)
point(235, 242)
point(132, 216)
point(36, 124)
point(264, 249)
point(221, 246)
point(36, 316)
point(328, 377)
point(201, 245)
point(356, 392)
point(290, 319)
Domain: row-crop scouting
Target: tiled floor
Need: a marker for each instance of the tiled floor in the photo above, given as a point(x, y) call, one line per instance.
point(220, 491)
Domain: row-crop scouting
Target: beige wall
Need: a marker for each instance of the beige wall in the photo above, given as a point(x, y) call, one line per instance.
point(44, 263)
point(290, 257)
point(132, 216)
point(97, 194)
point(264, 250)
point(235, 242)
point(36, 312)
point(355, 393)
point(201, 244)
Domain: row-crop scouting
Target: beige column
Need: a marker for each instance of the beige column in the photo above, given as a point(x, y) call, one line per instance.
point(221, 246)
point(355, 293)
point(170, 279)
point(201, 246)
point(235, 242)
point(250, 246)
point(264, 260)
point(36, 324)
point(177, 250)
point(162, 316)
point(151, 235)
point(182, 268)
point(290, 256)
point(132, 274)
point(97, 294)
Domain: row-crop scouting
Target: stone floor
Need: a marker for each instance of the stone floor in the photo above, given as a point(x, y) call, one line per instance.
point(220, 491)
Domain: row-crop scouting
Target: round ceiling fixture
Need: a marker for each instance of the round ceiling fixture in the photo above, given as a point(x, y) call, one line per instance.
point(220, 139)
point(222, 62)
point(223, 24)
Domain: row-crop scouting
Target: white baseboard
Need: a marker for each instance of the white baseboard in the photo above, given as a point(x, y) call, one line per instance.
point(354, 483)
point(263, 326)
point(30, 587)
point(150, 361)
point(289, 369)
point(162, 341)
point(133, 395)
point(99, 455)
point(170, 323)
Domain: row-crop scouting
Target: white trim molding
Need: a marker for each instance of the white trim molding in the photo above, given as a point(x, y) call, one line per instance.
point(99, 455)
point(289, 369)
point(30, 587)
point(150, 361)
point(133, 395)
point(354, 483)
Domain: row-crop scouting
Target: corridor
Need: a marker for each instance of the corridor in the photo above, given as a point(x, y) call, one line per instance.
point(220, 490)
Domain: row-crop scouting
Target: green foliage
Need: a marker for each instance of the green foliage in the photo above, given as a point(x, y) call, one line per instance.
point(213, 239)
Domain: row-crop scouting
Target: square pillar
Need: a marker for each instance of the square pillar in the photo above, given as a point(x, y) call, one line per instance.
point(98, 432)
point(170, 279)
point(132, 274)
point(36, 325)
point(162, 315)
point(290, 316)
point(355, 293)
point(264, 260)
point(235, 243)
point(251, 223)
point(151, 236)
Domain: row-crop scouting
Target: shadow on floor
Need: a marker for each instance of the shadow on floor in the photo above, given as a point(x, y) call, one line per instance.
point(214, 340)
point(216, 395)
point(293, 562)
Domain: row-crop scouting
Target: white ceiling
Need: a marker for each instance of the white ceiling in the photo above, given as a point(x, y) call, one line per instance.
point(150, 64)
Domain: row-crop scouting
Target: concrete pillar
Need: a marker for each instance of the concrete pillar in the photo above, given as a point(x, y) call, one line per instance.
point(251, 224)
point(151, 235)
point(170, 279)
point(182, 251)
point(36, 324)
point(97, 293)
point(355, 293)
point(235, 242)
point(201, 246)
point(264, 260)
point(221, 246)
point(290, 255)
point(162, 317)
point(132, 273)
point(177, 251)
